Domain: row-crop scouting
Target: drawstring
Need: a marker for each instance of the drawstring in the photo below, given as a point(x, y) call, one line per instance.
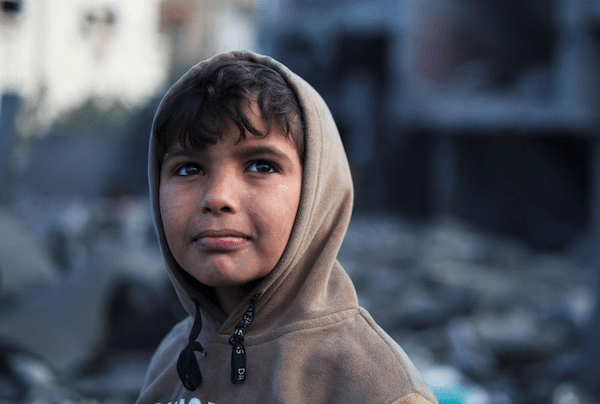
point(238, 354)
point(187, 364)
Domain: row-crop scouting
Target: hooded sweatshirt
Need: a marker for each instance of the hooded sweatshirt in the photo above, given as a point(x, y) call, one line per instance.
point(300, 335)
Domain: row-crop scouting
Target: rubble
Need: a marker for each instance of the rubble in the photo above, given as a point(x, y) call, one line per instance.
point(490, 312)
point(486, 319)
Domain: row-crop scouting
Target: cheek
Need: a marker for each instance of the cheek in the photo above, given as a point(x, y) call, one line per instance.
point(172, 215)
point(164, 202)
point(275, 214)
point(288, 201)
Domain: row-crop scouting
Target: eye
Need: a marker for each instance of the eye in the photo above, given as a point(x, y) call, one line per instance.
point(262, 167)
point(188, 169)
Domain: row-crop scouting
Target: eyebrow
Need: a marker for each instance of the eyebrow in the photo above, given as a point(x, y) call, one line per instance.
point(176, 153)
point(246, 152)
point(253, 151)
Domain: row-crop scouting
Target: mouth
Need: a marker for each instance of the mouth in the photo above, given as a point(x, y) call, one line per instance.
point(221, 240)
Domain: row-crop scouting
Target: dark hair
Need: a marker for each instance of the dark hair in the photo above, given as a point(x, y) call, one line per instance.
point(200, 108)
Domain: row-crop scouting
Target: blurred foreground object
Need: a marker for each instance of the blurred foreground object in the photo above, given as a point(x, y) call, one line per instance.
point(106, 302)
point(23, 263)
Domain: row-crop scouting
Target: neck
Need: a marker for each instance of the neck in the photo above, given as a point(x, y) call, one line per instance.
point(229, 297)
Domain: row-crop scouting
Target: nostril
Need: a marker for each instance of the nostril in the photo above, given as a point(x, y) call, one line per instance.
point(223, 209)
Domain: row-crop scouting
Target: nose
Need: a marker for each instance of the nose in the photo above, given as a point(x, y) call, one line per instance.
point(219, 195)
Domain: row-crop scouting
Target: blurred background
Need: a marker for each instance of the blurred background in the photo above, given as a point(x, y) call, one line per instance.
point(472, 132)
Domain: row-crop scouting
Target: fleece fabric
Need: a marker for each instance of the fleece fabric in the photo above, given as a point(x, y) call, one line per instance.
point(309, 341)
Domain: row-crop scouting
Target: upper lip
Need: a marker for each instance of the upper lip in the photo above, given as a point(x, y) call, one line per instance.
point(221, 233)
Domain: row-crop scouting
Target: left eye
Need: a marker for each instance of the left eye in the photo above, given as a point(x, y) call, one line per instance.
point(262, 167)
point(188, 169)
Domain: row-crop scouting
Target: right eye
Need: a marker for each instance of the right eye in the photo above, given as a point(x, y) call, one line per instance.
point(188, 169)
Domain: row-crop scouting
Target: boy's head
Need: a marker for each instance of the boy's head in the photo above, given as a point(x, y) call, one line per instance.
point(231, 152)
point(210, 99)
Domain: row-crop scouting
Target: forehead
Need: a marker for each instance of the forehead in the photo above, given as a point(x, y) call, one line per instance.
point(275, 142)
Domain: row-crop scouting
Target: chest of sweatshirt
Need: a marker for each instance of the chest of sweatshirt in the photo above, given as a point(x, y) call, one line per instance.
point(332, 359)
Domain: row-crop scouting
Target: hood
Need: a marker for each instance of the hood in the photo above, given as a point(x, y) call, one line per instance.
point(308, 281)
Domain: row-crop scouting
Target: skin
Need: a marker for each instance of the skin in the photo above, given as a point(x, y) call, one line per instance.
point(228, 210)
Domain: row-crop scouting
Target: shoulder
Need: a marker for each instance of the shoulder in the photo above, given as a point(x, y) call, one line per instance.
point(347, 357)
point(361, 337)
point(393, 351)
point(365, 352)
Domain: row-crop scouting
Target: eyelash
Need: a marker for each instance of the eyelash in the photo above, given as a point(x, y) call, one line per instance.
point(183, 166)
point(272, 168)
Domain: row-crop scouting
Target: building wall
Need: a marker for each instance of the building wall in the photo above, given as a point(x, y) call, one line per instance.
point(198, 29)
point(57, 54)
point(422, 90)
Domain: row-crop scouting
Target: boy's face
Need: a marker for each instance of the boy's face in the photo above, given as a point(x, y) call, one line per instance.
point(228, 210)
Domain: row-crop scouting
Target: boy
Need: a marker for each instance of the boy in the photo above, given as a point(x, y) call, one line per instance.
point(252, 196)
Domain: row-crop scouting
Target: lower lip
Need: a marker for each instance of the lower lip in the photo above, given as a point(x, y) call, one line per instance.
point(222, 243)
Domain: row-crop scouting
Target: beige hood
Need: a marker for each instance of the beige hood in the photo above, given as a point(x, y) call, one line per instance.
point(309, 341)
point(308, 277)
